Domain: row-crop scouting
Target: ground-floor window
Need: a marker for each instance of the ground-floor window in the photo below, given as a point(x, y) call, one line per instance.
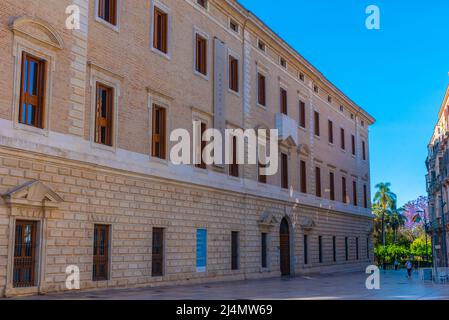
point(367, 247)
point(157, 255)
point(320, 249)
point(306, 249)
point(334, 248)
point(264, 250)
point(100, 271)
point(357, 248)
point(235, 250)
point(346, 249)
point(24, 273)
point(201, 250)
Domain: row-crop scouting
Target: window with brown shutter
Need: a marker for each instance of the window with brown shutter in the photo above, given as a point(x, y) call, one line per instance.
point(342, 139)
point(261, 89)
point(202, 164)
point(302, 114)
point(32, 91)
point(159, 132)
point(160, 32)
point(100, 271)
point(284, 171)
point(201, 55)
point(317, 123)
point(233, 74)
point(157, 254)
point(332, 186)
point(303, 176)
point(107, 10)
point(365, 197)
point(24, 272)
point(234, 167)
point(354, 193)
point(343, 190)
point(103, 114)
point(283, 95)
point(331, 131)
point(353, 144)
point(262, 177)
point(318, 182)
point(364, 150)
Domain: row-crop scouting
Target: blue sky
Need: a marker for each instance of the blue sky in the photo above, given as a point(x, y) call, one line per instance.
point(399, 73)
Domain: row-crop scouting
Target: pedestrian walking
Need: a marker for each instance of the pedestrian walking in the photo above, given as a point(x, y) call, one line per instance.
point(409, 267)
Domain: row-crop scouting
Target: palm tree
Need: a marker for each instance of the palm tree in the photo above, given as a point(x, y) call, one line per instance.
point(385, 199)
point(397, 220)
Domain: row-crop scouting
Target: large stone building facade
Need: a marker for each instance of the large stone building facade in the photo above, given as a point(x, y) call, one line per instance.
point(85, 175)
point(437, 178)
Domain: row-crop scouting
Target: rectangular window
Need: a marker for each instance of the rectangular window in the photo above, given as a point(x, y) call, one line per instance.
point(104, 114)
point(201, 55)
point(331, 131)
point(342, 139)
point(234, 26)
point(346, 249)
point(306, 250)
point(233, 74)
point(320, 249)
point(344, 194)
point(331, 186)
point(234, 167)
point(261, 45)
point(100, 271)
point(201, 250)
point(264, 250)
point(353, 144)
point(317, 123)
point(32, 91)
point(303, 173)
point(367, 248)
point(202, 164)
point(261, 89)
point(318, 182)
point(202, 3)
point(334, 248)
point(24, 274)
point(357, 248)
point(262, 177)
point(302, 114)
point(363, 150)
point(159, 132)
point(235, 250)
point(354, 193)
point(160, 32)
point(284, 171)
point(157, 255)
point(107, 10)
point(283, 97)
point(365, 197)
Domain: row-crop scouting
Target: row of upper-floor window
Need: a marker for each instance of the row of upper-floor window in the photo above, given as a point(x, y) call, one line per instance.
point(107, 10)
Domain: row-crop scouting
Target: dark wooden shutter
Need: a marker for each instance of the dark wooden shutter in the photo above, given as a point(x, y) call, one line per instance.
point(261, 89)
point(264, 250)
point(343, 190)
point(107, 10)
point(25, 254)
point(354, 193)
point(302, 114)
point(159, 132)
point(317, 124)
point(157, 256)
point(284, 171)
point(332, 186)
point(262, 177)
point(346, 249)
point(364, 150)
point(160, 32)
point(353, 144)
point(234, 167)
point(233, 74)
point(284, 107)
point(100, 271)
point(331, 131)
point(103, 115)
point(201, 54)
point(202, 165)
point(235, 250)
point(32, 91)
point(342, 138)
point(303, 177)
point(318, 182)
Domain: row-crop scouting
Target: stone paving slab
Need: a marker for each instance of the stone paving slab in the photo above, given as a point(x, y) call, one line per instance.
point(349, 286)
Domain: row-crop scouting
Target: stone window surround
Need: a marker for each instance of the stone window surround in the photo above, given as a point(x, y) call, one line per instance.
point(116, 28)
point(263, 70)
point(235, 55)
point(198, 31)
point(106, 77)
point(203, 117)
point(167, 11)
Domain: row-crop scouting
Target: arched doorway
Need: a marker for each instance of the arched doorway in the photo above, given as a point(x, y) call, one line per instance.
point(284, 238)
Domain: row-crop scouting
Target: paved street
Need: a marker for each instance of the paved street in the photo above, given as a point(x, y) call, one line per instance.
point(394, 285)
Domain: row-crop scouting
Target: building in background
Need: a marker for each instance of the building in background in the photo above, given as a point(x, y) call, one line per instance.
point(438, 185)
point(85, 176)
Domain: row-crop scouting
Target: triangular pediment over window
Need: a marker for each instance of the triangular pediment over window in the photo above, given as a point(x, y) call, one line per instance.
point(33, 193)
point(267, 220)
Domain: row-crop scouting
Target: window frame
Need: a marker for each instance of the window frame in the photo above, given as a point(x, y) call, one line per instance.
point(303, 176)
point(316, 124)
point(318, 185)
point(235, 250)
point(109, 118)
point(236, 57)
point(302, 114)
point(284, 171)
point(330, 131)
point(331, 186)
point(107, 276)
point(161, 254)
point(283, 100)
point(198, 33)
point(264, 75)
point(164, 131)
point(116, 26)
point(157, 5)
